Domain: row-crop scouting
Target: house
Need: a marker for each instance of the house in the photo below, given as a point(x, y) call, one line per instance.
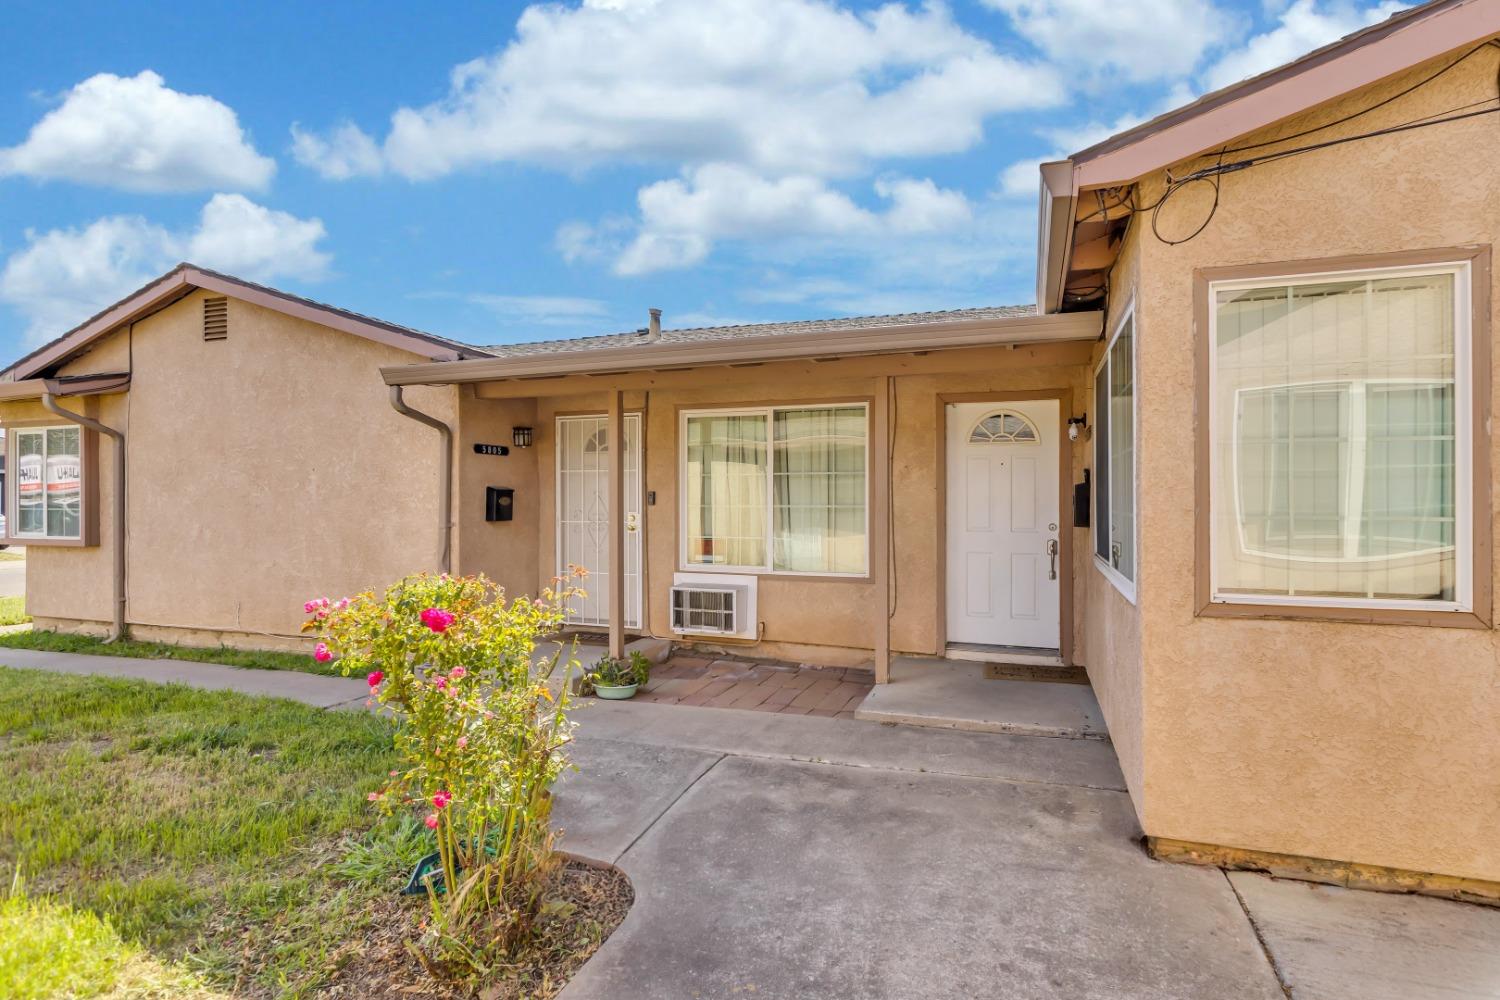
point(1238, 462)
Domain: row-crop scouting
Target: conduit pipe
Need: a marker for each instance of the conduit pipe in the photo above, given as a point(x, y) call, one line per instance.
point(117, 629)
point(445, 474)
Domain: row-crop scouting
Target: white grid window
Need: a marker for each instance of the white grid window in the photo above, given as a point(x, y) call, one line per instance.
point(46, 482)
point(1339, 422)
point(781, 489)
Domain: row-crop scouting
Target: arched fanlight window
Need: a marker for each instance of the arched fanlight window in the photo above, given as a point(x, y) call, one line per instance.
point(1004, 427)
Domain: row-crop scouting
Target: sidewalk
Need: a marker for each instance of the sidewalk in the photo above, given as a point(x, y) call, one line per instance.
point(790, 856)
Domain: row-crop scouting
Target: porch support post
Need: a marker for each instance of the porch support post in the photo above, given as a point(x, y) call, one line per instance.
point(880, 526)
point(616, 523)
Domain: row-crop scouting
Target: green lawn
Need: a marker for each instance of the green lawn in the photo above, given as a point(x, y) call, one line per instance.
point(13, 611)
point(209, 831)
point(61, 642)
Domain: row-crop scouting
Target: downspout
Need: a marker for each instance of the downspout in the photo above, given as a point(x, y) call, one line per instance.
point(445, 484)
point(117, 630)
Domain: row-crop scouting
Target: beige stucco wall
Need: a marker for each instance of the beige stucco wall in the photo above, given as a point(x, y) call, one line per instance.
point(1370, 743)
point(263, 469)
point(1112, 626)
point(505, 551)
point(825, 620)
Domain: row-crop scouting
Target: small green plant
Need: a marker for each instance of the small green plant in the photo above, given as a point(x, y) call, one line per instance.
point(609, 671)
point(480, 738)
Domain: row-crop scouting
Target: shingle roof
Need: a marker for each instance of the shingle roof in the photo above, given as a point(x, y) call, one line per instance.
point(713, 333)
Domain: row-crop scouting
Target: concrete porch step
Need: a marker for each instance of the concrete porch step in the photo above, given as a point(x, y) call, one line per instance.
point(947, 694)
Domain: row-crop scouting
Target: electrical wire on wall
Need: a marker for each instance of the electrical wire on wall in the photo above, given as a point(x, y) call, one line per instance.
point(1213, 174)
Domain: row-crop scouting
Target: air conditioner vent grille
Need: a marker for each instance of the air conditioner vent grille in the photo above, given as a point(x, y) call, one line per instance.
point(705, 610)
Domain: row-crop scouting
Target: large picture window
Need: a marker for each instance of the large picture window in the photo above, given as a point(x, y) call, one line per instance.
point(1340, 439)
point(45, 467)
point(1114, 458)
point(780, 489)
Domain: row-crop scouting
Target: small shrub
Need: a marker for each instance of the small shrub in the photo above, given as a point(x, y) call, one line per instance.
point(612, 672)
point(480, 738)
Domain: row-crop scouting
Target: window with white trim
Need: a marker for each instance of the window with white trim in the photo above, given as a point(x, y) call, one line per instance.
point(777, 489)
point(1340, 429)
point(1114, 458)
point(45, 466)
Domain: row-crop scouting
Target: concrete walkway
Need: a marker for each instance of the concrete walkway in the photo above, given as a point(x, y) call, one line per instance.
point(792, 856)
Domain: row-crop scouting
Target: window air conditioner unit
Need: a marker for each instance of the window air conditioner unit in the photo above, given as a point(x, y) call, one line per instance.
point(714, 605)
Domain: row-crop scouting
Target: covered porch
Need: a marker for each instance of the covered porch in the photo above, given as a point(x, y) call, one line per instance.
point(881, 495)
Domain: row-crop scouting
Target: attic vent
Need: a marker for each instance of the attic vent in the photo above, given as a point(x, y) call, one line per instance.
point(215, 319)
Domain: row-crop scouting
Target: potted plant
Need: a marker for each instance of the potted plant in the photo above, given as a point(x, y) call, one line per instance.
point(617, 679)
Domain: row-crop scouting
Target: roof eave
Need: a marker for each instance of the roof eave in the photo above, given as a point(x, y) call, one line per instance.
point(75, 385)
point(838, 343)
point(1337, 69)
point(1059, 200)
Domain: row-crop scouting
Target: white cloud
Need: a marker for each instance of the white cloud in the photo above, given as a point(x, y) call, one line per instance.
point(346, 152)
point(137, 134)
point(680, 219)
point(544, 310)
point(1304, 26)
point(63, 276)
point(1136, 40)
point(785, 86)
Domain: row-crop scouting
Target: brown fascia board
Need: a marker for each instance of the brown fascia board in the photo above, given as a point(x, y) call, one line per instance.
point(184, 278)
point(647, 356)
point(74, 385)
point(1054, 234)
point(1379, 51)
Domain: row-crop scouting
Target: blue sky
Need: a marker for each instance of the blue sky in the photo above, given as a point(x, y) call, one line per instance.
point(502, 172)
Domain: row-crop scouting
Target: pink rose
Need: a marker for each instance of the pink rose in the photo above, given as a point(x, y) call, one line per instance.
point(373, 796)
point(322, 653)
point(375, 678)
point(463, 741)
point(456, 673)
point(441, 800)
point(440, 683)
point(431, 821)
point(437, 619)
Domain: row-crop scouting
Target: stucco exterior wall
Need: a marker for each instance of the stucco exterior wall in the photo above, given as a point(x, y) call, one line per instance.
point(1359, 742)
point(1112, 627)
point(826, 620)
point(263, 469)
point(504, 551)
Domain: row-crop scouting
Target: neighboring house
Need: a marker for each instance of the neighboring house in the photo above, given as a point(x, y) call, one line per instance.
point(1263, 340)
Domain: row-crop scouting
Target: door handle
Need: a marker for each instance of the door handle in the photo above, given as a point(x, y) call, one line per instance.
point(1052, 559)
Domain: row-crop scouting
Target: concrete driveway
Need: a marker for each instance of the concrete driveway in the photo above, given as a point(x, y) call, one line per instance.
point(780, 857)
point(13, 575)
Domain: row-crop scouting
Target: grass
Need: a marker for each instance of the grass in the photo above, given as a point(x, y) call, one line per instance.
point(50, 950)
point(13, 611)
point(172, 831)
point(63, 642)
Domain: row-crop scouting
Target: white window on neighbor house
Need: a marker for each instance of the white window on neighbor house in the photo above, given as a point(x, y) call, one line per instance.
point(1114, 458)
point(776, 489)
point(1340, 439)
point(45, 472)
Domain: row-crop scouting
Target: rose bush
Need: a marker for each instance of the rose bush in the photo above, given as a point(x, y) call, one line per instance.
point(481, 735)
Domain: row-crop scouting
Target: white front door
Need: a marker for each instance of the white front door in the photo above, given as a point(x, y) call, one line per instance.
point(1003, 521)
point(583, 514)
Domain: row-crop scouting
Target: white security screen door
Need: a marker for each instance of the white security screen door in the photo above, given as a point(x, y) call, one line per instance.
point(1004, 558)
point(583, 514)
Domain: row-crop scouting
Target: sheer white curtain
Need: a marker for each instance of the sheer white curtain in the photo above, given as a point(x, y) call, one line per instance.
point(726, 489)
point(1334, 429)
point(819, 490)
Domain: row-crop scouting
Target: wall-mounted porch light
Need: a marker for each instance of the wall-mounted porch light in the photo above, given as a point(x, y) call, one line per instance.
point(1076, 426)
point(521, 437)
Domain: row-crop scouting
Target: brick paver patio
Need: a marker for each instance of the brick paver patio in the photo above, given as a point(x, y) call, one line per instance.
point(761, 687)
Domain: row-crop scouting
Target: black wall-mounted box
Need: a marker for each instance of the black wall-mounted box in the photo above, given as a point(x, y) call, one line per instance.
point(499, 503)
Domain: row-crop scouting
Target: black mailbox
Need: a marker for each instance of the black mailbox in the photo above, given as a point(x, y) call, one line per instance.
point(1081, 502)
point(499, 503)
